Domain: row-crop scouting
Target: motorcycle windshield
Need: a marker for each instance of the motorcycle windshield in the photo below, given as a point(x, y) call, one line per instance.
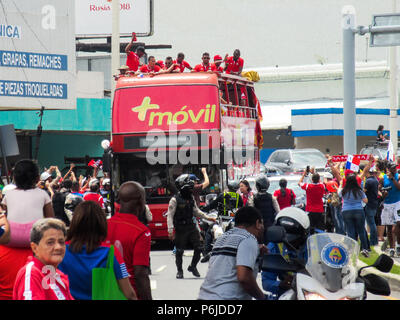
point(332, 260)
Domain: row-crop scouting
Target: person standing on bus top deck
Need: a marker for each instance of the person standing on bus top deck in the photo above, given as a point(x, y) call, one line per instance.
point(132, 58)
point(182, 64)
point(216, 66)
point(181, 209)
point(205, 65)
point(234, 64)
point(151, 67)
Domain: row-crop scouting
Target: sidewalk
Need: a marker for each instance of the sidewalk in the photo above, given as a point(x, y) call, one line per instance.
point(394, 279)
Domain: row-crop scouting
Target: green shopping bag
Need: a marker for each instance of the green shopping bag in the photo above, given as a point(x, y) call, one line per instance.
point(104, 282)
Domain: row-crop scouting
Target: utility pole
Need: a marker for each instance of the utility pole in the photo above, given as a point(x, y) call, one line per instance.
point(394, 101)
point(349, 96)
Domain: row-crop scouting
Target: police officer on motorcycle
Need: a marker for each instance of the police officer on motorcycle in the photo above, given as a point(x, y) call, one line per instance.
point(265, 202)
point(297, 227)
point(225, 203)
point(181, 210)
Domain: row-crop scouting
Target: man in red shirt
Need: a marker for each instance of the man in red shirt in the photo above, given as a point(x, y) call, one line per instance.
point(170, 66)
point(314, 194)
point(234, 64)
point(132, 58)
point(93, 194)
point(182, 64)
point(205, 66)
point(151, 67)
point(216, 66)
point(131, 237)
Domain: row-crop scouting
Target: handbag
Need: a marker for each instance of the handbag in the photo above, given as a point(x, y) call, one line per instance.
point(104, 282)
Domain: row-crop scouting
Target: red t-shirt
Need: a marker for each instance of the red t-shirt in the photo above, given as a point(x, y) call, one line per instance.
point(11, 261)
point(183, 65)
point(202, 68)
point(285, 201)
point(132, 61)
point(217, 69)
point(234, 66)
point(133, 240)
point(93, 196)
point(35, 282)
point(314, 194)
point(146, 68)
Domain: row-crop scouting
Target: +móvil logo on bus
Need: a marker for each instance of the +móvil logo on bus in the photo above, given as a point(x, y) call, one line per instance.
point(184, 116)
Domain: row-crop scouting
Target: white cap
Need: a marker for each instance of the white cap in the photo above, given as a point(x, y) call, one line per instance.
point(44, 176)
point(105, 181)
point(7, 188)
point(93, 181)
point(328, 175)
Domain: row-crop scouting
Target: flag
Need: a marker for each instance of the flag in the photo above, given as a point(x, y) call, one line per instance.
point(352, 163)
point(95, 164)
point(390, 152)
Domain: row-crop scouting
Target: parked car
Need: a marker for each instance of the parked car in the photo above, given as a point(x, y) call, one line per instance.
point(272, 171)
point(296, 160)
point(377, 150)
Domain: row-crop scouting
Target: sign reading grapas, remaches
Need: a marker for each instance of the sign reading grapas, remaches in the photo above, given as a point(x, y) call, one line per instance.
point(37, 54)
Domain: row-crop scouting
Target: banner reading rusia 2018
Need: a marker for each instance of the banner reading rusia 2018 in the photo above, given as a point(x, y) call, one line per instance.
point(93, 17)
point(37, 54)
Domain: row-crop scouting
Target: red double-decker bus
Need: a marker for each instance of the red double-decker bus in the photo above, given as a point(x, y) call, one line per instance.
point(169, 124)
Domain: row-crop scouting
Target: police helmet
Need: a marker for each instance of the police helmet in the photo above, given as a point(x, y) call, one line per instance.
point(194, 178)
point(262, 183)
point(233, 186)
point(296, 224)
point(184, 182)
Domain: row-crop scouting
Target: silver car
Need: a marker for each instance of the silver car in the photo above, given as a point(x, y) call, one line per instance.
point(296, 160)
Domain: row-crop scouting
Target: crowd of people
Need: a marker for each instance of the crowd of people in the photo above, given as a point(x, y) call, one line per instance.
point(232, 64)
point(56, 231)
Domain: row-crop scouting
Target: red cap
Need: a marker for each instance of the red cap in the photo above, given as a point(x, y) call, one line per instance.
point(332, 186)
point(347, 172)
point(217, 58)
point(160, 63)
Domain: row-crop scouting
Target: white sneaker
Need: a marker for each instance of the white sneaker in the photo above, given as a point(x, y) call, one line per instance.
point(365, 253)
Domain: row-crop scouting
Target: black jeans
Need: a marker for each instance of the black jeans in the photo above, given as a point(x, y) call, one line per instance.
point(317, 220)
point(184, 235)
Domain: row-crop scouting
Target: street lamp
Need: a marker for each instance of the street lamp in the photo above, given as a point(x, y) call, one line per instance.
point(385, 31)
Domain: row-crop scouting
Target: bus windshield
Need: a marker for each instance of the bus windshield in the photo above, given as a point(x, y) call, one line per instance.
point(159, 179)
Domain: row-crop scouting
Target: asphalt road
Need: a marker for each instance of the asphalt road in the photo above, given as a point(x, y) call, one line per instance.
point(165, 286)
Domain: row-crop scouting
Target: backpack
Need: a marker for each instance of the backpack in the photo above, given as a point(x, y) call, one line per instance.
point(334, 199)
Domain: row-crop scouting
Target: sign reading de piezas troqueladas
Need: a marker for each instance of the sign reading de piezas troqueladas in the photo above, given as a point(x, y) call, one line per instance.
point(37, 54)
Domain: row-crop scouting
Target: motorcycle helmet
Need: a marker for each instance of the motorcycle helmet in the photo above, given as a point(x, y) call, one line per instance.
point(296, 224)
point(233, 186)
point(194, 178)
point(184, 184)
point(262, 183)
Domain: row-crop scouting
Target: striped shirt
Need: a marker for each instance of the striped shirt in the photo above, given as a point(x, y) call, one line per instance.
point(237, 247)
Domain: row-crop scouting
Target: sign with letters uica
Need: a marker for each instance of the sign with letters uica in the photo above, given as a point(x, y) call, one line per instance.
point(37, 54)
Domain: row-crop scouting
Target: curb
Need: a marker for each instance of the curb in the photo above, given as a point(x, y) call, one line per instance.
point(393, 279)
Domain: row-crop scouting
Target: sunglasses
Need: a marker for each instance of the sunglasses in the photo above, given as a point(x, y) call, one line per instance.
point(207, 58)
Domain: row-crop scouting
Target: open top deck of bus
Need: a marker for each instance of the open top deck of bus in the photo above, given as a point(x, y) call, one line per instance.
point(179, 79)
